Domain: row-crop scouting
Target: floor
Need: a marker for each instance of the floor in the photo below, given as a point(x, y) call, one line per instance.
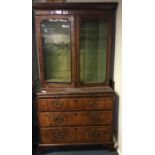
point(75, 151)
point(94, 152)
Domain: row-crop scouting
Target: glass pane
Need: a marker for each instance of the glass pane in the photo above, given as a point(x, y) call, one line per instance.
point(56, 50)
point(93, 45)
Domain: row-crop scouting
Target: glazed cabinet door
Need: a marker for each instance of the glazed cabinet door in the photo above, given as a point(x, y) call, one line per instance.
point(93, 49)
point(55, 36)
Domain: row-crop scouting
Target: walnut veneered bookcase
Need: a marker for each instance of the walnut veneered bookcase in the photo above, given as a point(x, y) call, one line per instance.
point(75, 46)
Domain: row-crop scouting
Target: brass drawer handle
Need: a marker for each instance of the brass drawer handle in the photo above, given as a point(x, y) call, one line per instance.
point(59, 135)
point(92, 103)
point(94, 134)
point(58, 104)
point(58, 119)
point(93, 116)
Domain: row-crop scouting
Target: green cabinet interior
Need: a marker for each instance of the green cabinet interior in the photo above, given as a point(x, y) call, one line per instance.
point(56, 44)
point(93, 44)
point(56, 50)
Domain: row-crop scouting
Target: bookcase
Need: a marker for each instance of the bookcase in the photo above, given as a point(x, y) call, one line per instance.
point(75, 47)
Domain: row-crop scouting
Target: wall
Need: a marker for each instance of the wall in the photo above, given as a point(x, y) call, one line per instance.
point(117, 66)
point(118, 71)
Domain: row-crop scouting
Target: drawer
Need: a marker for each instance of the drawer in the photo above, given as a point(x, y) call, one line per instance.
point(75, 118)
point(67, 104)
point(97, 134)
point(57, 135)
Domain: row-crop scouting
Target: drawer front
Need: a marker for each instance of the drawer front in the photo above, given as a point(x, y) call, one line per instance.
point(75, 118)
point(75, 135)
point(95, 134)
point(75, 104)
point(57, 135)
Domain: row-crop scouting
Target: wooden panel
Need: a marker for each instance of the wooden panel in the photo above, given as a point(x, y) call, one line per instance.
point(75, 135)
point(79, 6)
point(75, 104)
point(75, 118)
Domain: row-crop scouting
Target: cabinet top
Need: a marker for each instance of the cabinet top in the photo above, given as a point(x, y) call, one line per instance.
point(50, 5)
point(85, 90)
